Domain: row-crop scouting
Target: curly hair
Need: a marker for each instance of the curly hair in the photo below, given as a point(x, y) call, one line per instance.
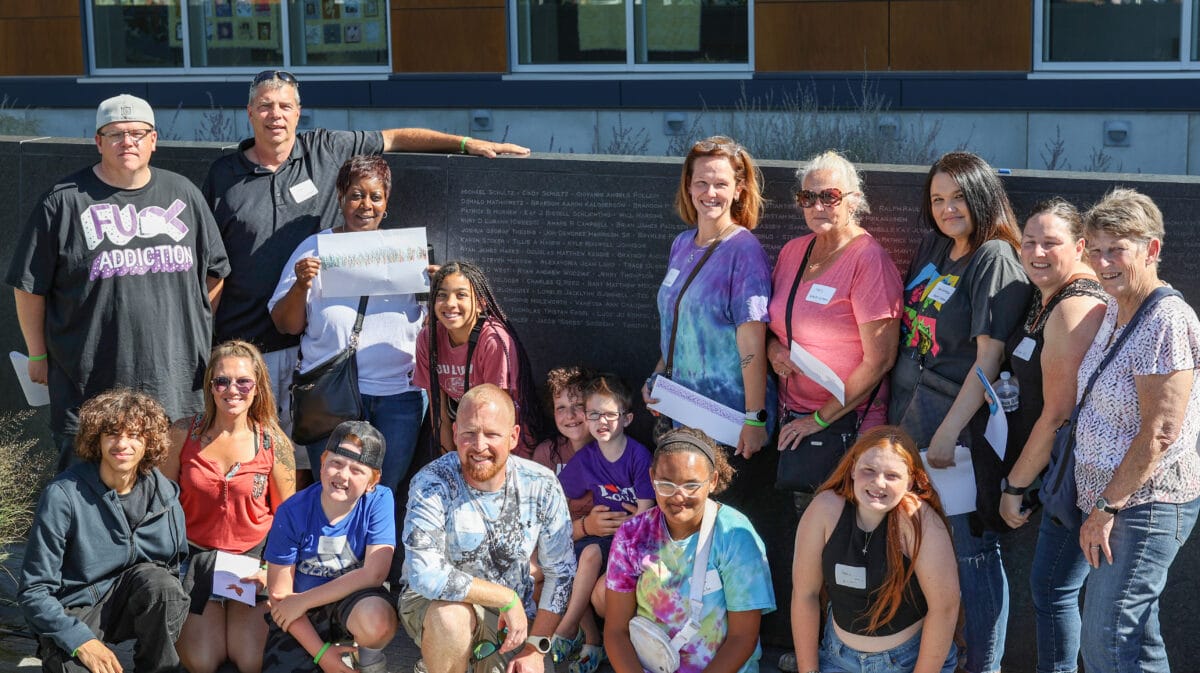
point(746, 209)
point(131, 412)
point(682, 440)
point(263, 411)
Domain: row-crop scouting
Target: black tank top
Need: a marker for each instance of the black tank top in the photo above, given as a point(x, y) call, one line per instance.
point(855, 565)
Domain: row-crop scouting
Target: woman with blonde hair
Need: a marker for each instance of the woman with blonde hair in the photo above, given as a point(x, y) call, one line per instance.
point(876, 539)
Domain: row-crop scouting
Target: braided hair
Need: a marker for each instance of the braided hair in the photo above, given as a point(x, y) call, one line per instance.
point(533, 425)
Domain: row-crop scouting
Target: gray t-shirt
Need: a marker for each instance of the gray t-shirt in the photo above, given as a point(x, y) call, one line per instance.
point(124, 275)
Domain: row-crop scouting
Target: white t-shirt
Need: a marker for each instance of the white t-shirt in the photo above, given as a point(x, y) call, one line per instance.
point(387, 346)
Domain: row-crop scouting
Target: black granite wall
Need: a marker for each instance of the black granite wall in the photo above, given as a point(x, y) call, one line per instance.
point(575, 248)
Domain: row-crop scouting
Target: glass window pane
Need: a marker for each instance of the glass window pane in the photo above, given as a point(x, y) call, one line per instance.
point(338, 32)
point(570, 31)
point(1117, 30)
point(225, 33)
point(139, 34)
point(692, 31)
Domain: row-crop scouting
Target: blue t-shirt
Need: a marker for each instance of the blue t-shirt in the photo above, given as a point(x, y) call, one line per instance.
point(302, 536)
point(611, 484)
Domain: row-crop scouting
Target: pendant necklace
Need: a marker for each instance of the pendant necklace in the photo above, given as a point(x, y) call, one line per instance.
point(704, 246)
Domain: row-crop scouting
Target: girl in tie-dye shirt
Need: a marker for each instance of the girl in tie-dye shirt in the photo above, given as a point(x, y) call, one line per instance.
point(650, 565)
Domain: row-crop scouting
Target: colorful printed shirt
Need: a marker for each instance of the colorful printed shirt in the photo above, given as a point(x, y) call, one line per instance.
point(646, 561)
point(613, 484)
point(454, 534)
point(732, 288)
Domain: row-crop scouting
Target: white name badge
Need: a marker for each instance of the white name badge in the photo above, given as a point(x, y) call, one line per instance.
point(712, 582)
point(820, 294)
point(332, 546)
point(850, 576)
point(1024, 350)
point(670, 279)
point(942, 292)
point(303, 191)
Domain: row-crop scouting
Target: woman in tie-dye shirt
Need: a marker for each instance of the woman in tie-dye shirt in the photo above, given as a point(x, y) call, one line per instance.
point(650, 565)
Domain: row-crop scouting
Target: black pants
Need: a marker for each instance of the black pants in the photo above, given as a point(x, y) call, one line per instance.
point(146, 604)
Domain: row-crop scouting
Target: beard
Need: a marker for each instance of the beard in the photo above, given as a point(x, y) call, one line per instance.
point(481, 472)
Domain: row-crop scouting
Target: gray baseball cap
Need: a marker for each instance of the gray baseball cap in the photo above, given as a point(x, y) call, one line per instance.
point(123, 108)
point(373, 444)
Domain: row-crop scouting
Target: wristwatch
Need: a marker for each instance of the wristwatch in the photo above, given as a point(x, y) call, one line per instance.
point(1103, 505)
point(540, 643)
point(1012, 490)
point(759, 416)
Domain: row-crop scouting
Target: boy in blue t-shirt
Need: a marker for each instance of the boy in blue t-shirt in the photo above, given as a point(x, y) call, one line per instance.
point(328, 554)
point(615, 468)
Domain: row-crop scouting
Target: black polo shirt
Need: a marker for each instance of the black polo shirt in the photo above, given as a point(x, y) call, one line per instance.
point(263, 216)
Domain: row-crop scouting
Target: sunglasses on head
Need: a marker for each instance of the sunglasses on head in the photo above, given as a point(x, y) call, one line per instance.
point(268, 75)
point(222, 383)
point(828, 197)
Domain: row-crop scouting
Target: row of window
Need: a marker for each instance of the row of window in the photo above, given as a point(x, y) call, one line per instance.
point(179, 36)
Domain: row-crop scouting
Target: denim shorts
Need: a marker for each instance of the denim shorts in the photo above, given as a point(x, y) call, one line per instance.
point(836, 656)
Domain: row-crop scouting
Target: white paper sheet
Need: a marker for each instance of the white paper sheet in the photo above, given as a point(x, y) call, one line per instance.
point(955, 485)
point(818, 371)
point(697, 411)
point(36, 394)
point(391, 261)
point(227, 576)
point(996, 432)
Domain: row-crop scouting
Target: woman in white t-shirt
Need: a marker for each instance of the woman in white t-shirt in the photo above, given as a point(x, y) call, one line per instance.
point(387, 343)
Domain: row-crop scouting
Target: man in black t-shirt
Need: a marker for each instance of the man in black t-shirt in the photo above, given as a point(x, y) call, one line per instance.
point(115, 276)
point(278, 189)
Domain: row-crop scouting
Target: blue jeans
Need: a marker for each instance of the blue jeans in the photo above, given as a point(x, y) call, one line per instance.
point(1056, 577)
point(837, 657)
point(1120, 617)
point(398, 418)
point(984, 589)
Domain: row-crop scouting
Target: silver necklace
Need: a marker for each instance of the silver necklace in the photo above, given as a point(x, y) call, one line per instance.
point(704, 246)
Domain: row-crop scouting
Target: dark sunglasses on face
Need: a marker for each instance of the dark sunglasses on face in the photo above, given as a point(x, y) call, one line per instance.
point(222, 383)
point(828, 197)
point(268, 75)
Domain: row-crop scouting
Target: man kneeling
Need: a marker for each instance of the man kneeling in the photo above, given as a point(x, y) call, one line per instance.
point(102, 561)
point(474, 519)
point(327, 556)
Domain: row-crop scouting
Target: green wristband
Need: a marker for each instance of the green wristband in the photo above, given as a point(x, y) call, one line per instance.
point(38, 358)
point(321, 653)
point(75, 651)
point(462, 146)
point(757, 424)
point(818, 421)
point(511, 604)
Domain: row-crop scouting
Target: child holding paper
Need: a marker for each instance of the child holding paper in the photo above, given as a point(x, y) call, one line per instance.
point(615, 469)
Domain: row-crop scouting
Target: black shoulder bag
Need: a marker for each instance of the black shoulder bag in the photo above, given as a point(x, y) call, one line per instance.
point(327, 395)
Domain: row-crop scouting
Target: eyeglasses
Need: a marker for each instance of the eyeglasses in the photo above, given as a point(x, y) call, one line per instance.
point(669, 488)
point(222, 383)
point(118, 137)
point(488, 648)
point(268, 75)
point(828, 197)
point(609, 416)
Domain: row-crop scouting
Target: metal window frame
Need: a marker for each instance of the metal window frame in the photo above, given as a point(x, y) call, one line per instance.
point(1188, 62)
point(95, 72)
point(630, 66)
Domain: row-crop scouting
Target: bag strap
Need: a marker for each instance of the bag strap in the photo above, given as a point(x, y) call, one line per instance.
point(699, 575)
point(471, 341)
point(358, 323)
point(796, 286)
point(679, 299)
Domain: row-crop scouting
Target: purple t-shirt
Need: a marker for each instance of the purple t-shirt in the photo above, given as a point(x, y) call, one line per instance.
point(625, 481)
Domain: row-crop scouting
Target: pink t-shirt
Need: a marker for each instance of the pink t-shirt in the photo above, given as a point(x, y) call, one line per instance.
point(862, 285)
point(494, 361)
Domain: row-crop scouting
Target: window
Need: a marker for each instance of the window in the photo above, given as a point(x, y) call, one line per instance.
point(174, 36)
point(1116, 35)
point(631, 35)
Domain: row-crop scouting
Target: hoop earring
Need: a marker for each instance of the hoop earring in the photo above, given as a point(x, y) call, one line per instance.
point(384, 215)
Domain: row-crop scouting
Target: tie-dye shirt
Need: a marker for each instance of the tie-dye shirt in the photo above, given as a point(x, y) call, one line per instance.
point(454, 534)
point(732, 288)
point(644, 559)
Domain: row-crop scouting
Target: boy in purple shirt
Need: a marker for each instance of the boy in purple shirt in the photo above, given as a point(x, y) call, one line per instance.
point(616, 470)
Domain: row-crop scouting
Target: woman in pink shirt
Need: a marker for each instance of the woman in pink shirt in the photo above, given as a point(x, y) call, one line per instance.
point(845, 295)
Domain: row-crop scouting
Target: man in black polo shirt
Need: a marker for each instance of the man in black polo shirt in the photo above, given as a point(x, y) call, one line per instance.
point(278, 189)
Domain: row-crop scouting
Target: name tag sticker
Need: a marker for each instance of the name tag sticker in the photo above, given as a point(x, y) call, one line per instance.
point(670, 279)
point(942, 292)
point(331, 545)
point(1024, 350)
point(820, 294)
point(850, 576)
point(303, 191)
point(712, 582)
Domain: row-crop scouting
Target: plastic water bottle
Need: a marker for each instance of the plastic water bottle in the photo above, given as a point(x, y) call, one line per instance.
point(1009, 392)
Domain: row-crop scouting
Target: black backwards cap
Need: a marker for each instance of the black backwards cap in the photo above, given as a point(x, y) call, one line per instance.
point(373, 444)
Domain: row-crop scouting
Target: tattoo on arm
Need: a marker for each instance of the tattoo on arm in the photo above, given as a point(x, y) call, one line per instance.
point(747, 360)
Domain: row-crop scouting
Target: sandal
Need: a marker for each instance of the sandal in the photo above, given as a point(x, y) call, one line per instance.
point(562, 649)
point(590, 658)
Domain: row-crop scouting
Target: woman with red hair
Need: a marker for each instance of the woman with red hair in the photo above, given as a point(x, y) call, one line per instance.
point(875, 538)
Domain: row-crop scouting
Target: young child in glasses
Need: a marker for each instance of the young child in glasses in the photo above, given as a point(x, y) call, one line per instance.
point(615, 468)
